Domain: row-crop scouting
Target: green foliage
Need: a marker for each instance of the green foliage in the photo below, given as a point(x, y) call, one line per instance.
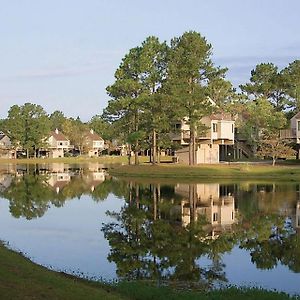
point(292, 78)
point(57, 118)
point(101, 126)
point(261, 120)
point(267, 82)
point(75, 130)
point(27, 126)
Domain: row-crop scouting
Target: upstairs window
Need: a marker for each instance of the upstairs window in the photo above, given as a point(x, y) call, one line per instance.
point(215, 127)
point(298, 125)
point(177, 126)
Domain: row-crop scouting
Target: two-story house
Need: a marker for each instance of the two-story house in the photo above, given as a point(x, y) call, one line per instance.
point(58, 144)
point(215, 137)
point(6, 150)
point(293, 133)
point(94, 143)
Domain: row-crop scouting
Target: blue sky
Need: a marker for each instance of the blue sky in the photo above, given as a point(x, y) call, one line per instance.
point(62, 54)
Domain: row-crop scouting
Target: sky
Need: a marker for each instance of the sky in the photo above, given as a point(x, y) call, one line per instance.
point(62, 54)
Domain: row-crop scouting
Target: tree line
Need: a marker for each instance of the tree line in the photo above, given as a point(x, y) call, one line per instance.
point(29, 125)
point(160, 83)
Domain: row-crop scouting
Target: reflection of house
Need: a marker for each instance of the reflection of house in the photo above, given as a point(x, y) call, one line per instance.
point(297, 227)
point(96, 176)
point(218, 129)
point(59, 180)
point(212, 201)
point(94, 143)
point(6, 150)
point(5, 181)
point(58, 144)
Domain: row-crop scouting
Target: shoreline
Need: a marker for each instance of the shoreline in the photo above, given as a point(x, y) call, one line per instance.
point(23, 279)
point(236, 171)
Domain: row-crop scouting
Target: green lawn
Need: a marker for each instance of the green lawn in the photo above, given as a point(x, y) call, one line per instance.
point(243, 171)
point(21, 279)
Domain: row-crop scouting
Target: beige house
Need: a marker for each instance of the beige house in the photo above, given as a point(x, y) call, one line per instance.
point(293, 133)
point(219, 130)
point(58, 180)
point(58, 144)
point(211, 201)
point(6, 150)
point(94, 143)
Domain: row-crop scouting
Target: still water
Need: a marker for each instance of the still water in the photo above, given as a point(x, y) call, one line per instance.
point(81, 220)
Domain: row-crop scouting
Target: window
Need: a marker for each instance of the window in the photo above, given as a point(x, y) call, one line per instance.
point(178, 126)
point(232, 128)
point(215, 127)
point(215, 217)
point(298, 125)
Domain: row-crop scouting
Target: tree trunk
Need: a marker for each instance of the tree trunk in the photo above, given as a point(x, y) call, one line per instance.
point(154, 152)
point(154, 202)
point(192, 149)
point(158, 155)
point(136, 154)
point(193, 204)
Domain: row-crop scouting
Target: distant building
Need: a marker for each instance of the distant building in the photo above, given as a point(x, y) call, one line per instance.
point(218, 131)
point(293, 133)
point(94, 143)
point(6, 150)
point(58, 144)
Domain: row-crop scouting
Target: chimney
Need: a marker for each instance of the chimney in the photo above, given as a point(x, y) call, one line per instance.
point(92, 131)
point(56, 130)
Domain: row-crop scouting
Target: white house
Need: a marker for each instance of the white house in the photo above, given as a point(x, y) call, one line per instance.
point(6, 150)
point(58, 144)
point(94, 143)
point(219, 130)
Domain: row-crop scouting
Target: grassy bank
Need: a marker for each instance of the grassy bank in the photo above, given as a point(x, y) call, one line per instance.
point(209, 172)
point(22, 279)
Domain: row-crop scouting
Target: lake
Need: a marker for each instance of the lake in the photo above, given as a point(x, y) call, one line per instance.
point(80, 220)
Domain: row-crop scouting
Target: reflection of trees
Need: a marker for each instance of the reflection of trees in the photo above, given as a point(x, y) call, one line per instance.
point(110, 185)
point(264, 228)
point(28, 196)
point(31, 193)
point(150, 240)
point(148, 243)
point(271, 240)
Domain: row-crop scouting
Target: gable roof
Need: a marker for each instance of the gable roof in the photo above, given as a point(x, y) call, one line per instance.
point(296, 116)
point(3, 135)
point(58, 136)
point(91, 135)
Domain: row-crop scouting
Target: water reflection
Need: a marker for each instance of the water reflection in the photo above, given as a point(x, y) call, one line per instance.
point(161, 232)
point(32, 189)
point(177, 233)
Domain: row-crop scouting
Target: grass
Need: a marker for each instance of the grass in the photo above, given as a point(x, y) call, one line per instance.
point(210, 172)
point(143, 291)
point(22, 279)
